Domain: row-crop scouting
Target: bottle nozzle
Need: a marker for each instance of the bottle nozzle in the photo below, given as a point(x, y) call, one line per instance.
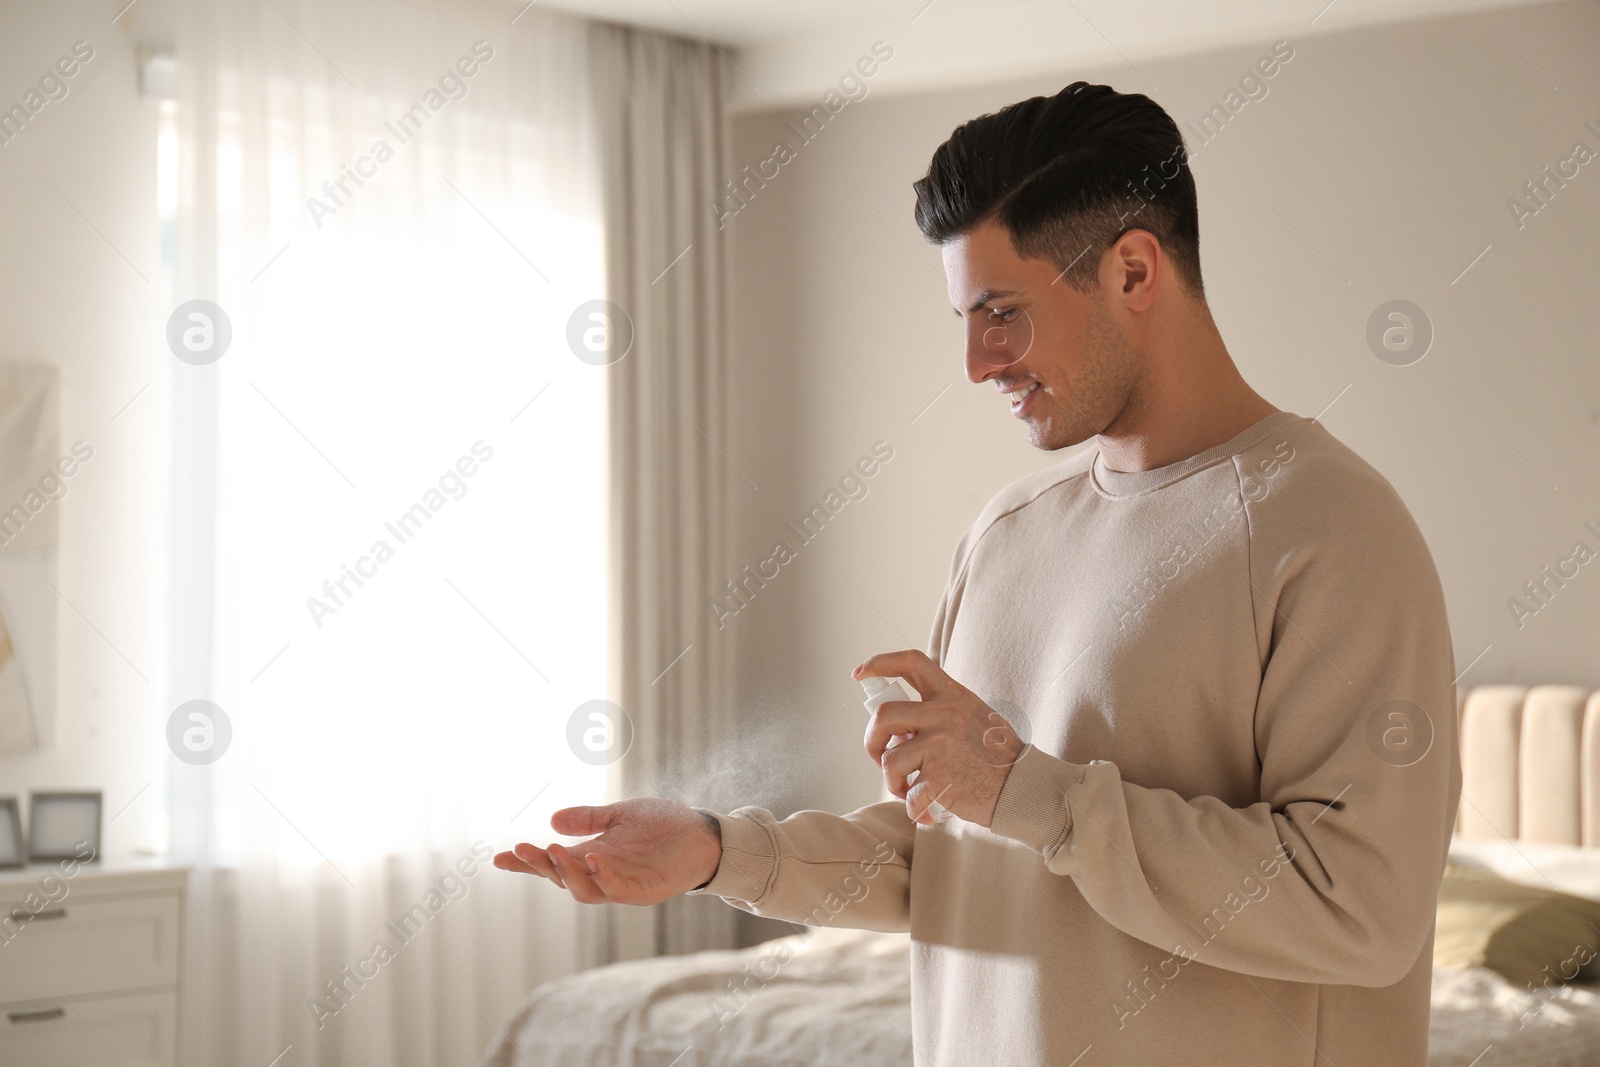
point(875, 687)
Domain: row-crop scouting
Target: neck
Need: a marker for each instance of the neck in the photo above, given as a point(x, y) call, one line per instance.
point(1190, 398)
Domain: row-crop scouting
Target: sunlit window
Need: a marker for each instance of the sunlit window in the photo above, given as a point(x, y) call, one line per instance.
point(410, 500)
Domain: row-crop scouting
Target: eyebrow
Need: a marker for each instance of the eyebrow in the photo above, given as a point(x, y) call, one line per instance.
point(984, 297)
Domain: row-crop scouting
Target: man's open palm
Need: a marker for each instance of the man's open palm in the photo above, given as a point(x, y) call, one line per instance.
point(649, 850)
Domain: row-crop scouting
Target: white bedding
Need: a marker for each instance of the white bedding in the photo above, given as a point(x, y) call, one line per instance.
point(829, 998)
point(1476, 1010)
point(842, 998)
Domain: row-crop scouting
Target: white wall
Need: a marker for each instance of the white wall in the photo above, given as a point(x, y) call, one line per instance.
point(951, 43)
point(69, 297)
point(1392, 151)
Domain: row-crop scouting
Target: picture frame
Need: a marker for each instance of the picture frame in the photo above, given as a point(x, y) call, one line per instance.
point(12, 843)
point(58, 823)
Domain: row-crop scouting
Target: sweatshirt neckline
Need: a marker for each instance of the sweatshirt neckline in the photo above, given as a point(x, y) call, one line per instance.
point(1112, 483)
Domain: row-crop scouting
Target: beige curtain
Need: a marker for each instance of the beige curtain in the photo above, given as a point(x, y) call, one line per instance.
point(659, 107)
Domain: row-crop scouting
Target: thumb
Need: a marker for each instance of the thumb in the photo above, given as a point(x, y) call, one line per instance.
point(578, 821)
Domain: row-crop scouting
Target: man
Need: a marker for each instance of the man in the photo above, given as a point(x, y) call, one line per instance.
point(1222, 841)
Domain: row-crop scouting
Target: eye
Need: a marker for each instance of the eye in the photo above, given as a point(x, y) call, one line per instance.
point(1003, 314)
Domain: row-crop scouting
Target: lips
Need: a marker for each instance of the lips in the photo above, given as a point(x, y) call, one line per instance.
point(1021, 398)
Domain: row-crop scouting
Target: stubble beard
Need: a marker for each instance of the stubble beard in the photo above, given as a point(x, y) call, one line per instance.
point(1102, 389)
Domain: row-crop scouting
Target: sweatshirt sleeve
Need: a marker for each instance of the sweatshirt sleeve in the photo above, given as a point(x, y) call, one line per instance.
point(852, 871)
point(1332, 876)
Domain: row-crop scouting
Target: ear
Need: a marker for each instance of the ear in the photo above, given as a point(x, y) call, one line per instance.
point(1139, 268)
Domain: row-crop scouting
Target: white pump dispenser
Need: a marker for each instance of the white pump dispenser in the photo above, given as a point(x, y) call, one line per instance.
point(881, 691)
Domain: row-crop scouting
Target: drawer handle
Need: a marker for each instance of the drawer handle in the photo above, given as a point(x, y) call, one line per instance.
point(18, 915)
point(38, 1015)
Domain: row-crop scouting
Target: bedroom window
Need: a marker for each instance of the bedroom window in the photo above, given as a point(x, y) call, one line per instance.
point(393, 580)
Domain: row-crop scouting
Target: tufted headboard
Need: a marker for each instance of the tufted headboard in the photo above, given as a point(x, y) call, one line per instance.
point(1530, 764)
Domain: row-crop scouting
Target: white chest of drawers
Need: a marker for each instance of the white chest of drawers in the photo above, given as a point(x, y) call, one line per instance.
point(90, 965)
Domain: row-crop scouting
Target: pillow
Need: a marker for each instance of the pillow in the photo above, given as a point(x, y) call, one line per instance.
point(1567, 868)
point(1528, 934)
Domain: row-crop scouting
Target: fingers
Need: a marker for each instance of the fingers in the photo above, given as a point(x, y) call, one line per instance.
point(903, 716)
point(574, 879)
point(895, 718)
point(569, 871)
point(925, 676)
point(575, 872)
point(920, 800)
point(894, 739)
point(536, 860)
point(507, 861)
point(902, 771)
point(900, 763)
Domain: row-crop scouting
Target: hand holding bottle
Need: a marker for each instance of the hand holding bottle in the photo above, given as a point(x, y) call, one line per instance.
point(879, 691)
point(960, 751)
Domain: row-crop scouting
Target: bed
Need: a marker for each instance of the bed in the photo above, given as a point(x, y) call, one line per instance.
point(1530, 815)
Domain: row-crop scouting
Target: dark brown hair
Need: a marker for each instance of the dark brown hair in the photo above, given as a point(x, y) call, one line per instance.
point(1067, 175)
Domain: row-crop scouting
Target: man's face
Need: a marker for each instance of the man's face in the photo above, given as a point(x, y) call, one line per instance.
point(1027, 331)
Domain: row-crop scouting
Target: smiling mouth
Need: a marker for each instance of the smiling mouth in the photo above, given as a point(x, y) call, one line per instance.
point(1020, 399)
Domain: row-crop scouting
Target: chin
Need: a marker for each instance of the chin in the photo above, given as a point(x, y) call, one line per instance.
point(1044, 438)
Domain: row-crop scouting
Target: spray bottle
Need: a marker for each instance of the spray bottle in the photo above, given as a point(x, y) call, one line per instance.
point(881, 691)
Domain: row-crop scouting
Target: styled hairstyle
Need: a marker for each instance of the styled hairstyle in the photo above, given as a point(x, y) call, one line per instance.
point(1067, 176)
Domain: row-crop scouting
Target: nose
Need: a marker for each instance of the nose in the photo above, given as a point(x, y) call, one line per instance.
point(978, 369)
point(989, 349)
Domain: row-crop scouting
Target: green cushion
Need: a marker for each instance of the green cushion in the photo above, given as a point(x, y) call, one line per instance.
point(1526, 933)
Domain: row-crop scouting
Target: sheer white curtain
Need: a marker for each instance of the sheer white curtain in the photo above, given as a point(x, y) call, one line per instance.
point(389, 526)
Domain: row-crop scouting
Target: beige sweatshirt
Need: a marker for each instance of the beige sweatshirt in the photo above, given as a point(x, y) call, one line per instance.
point(1224, 840)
